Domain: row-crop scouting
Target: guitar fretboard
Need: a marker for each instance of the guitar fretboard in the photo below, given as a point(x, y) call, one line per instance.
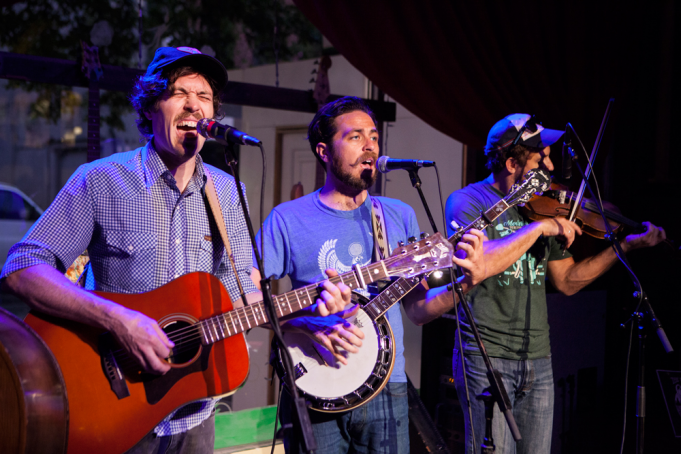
point(483, 221)
point(239, 320)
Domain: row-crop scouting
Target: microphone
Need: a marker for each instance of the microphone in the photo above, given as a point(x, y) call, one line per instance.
point(567, 159)
point(211, 129)
point(386, 164)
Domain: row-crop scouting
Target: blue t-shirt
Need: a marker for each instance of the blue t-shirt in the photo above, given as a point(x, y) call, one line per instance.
point(303, 237)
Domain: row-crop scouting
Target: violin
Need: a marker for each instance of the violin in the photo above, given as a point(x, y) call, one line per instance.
point(558, 201)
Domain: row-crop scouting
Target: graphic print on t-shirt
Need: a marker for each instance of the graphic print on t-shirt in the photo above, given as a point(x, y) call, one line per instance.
point(328, 258)
point(526, 267)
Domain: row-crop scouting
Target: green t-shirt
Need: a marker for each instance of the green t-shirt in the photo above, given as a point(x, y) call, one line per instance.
point(509, 308)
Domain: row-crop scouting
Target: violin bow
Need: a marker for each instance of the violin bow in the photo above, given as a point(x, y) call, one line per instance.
point(594, 152)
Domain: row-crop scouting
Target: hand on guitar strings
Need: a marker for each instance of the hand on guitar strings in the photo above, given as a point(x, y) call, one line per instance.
point(334, 333)
point(142, 338)
point(333, 298)
point(470, 258)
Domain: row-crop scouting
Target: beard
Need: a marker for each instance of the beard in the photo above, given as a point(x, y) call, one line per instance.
point(365, 180)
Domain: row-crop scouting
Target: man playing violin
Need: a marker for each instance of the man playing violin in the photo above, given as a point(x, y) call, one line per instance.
point(509, 307)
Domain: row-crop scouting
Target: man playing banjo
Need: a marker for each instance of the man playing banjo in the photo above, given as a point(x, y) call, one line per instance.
point(332, 229)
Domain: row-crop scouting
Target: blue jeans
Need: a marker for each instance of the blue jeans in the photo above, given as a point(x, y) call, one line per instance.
point(529, 384)
point(379, 426)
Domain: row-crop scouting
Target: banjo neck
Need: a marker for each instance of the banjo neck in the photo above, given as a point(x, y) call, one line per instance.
point(393, 293)
point(390, 295)
point(397, 290)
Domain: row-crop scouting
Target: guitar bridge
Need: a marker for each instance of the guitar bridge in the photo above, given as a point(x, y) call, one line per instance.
point(110, 366)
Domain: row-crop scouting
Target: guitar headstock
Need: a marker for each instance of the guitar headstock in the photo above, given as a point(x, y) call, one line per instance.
point(321, 88)
point(534, 182)
point(91, 66)
point(429, 254)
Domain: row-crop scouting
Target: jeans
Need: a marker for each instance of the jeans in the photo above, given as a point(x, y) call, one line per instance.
point(379, 426)
point(529, 384)
point(197, 440)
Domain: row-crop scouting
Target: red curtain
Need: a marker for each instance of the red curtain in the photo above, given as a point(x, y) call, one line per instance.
point(461, 66)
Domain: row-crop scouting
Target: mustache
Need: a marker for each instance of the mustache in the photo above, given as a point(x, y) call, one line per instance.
point(186, 116)
point(364, 157)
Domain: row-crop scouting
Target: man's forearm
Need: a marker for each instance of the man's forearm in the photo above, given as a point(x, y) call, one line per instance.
point(503, 252)
point(46, 290)
point(580, 274)
point(423, 305)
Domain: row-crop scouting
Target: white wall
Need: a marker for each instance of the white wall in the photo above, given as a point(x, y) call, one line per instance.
point(407, 138)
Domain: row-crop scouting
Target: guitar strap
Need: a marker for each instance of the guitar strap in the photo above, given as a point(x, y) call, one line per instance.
point(381, 250)
point(214, 205)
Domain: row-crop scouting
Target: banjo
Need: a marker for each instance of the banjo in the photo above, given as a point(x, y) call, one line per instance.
point(330, 386)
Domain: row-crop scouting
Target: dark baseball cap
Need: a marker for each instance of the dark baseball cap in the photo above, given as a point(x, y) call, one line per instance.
point(504, 132)
point(188, 56)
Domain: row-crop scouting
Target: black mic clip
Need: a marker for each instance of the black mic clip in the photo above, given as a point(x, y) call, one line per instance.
point(224, 134)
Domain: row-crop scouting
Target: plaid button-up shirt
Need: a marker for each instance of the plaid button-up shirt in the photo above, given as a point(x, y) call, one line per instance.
point(140, 233)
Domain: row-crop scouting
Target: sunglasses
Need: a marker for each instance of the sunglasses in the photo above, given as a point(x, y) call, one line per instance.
point(530, 125)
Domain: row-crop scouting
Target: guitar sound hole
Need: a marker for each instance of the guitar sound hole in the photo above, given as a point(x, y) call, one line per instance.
point(187, 342)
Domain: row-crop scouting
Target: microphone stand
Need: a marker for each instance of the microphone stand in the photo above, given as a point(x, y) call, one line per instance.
point(416, 183)
point(497, 389)
point(307, 436)
point(643, 311)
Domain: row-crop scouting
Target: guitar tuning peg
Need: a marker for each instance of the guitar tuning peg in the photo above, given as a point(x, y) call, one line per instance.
point(314, 71)
point(400, 243)
point(312, 81)
point(316, 62)
point(411, 239)
point(424, 235)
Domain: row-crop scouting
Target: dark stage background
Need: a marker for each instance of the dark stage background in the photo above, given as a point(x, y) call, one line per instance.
point(461, 66)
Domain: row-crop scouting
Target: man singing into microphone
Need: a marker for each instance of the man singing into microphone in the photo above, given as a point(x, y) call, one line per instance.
point(142, 216)
point(509, 308)
point(332, 228)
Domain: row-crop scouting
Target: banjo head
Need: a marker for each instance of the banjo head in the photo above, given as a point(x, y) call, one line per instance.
point(330, 386)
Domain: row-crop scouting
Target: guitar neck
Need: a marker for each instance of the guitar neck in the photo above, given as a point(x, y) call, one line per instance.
point(93, 121)
point(483, 221)
point(239, 320)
